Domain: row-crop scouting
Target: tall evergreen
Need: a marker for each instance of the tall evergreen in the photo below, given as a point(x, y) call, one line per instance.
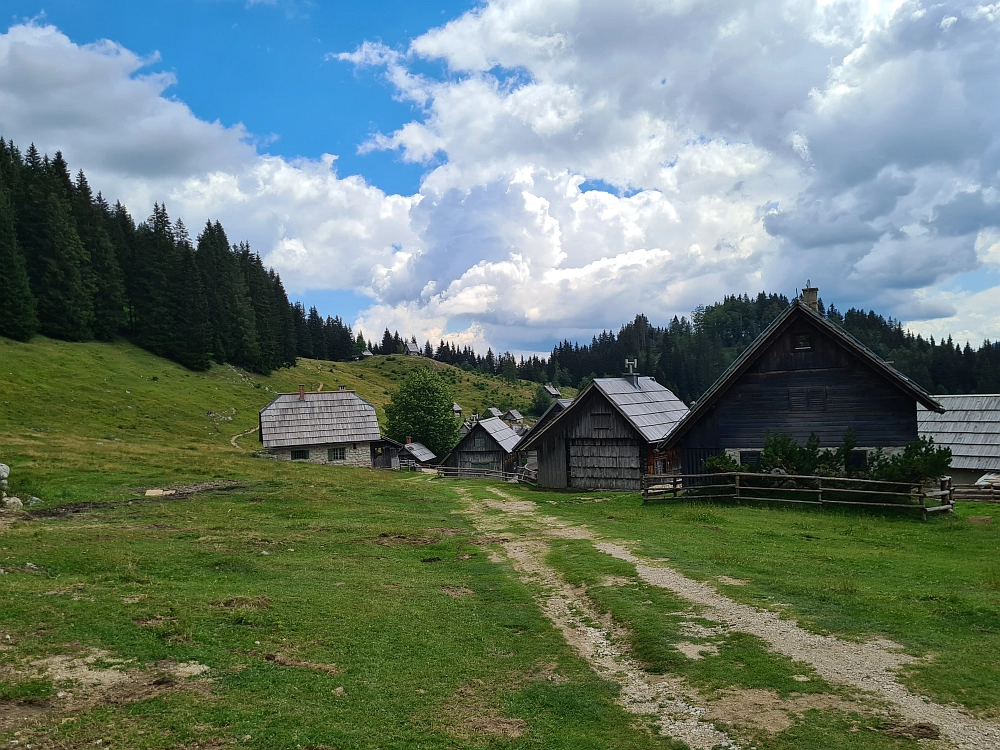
point(17, 305)
point(192, 345)
point(105, 273)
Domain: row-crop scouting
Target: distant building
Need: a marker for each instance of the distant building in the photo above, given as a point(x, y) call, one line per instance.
point(553, 391)
point(802, 376)
point(494, 412)
point(604, 439)
point(329, 427)
point(971, 428)
point(413, 453)
point(512, 417)
point(412, 349)
point(488, 445)
point(456, 410)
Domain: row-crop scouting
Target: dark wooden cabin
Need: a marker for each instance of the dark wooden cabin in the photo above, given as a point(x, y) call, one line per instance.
point(490, 444)
point(802, 376)
point(604, 439)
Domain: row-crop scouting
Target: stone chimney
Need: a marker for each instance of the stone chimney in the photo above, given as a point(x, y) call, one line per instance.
point(810, 296)
point(302, 392)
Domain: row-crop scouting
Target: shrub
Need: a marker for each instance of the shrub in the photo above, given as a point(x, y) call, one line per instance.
point(721, 464)
point(919, 461)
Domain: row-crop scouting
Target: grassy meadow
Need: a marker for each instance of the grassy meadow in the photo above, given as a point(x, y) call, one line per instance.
point(314, 607)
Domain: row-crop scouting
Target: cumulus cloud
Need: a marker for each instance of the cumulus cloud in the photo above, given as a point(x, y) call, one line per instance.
point(587, 160)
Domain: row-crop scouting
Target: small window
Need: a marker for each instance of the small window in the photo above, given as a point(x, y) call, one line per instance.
point(857, 459)
point(807, 399)
point(298, 455)
point(797, 399)
point(479, 442)
point(803, 341)
point(336, 454)
point(816, 398)
point(749, 458)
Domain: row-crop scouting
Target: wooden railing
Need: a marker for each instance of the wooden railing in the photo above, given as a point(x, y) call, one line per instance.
point(977, 493)
point(803, 490)
point(523, 476)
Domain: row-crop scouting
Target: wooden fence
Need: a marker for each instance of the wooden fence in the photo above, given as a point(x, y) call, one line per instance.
point(977, 493)
point(801, 490)
point(523, 476)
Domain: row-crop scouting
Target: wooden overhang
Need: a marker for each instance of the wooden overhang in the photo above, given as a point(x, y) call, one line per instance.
point(797, 310)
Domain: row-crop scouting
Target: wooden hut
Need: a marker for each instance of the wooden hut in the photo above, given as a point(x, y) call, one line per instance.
point(456, 411)
point(489, 445)
point(329, 427)
point(971, 428)
point(555, 409)
point(493, 412)
point(417, 454)
point(604, 439)
point(802, 376)
point(553, 391)
point(512, 417)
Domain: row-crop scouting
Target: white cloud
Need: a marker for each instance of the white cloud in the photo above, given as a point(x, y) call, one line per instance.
point(589, 160)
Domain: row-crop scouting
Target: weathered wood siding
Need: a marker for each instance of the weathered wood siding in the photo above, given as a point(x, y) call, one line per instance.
point(595, 448)
point(822, 389)
point(489, 454)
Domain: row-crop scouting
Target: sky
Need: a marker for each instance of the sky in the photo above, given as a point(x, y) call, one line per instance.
point(508, 174)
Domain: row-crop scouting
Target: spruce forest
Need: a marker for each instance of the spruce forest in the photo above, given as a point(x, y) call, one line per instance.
point(75, 267)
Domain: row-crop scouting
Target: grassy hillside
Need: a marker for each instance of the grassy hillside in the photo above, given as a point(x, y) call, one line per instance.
point(101, 410)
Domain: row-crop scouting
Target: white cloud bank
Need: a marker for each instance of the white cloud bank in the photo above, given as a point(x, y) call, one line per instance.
point(733, 147)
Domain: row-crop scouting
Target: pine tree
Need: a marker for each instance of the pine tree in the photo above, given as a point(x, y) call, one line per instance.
point(17, 305)
point(284, 321)
point(105, 273)
point(192, 329)
point(154, 270)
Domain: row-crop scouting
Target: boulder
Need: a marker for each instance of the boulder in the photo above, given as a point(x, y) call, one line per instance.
point(13, 503)
point(4, 471)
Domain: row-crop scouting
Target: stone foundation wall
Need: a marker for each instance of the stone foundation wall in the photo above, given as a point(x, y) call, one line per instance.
point(356, 454)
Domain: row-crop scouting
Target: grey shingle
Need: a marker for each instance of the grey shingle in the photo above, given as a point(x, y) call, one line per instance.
point(330, 417)
point(501, 432)
point(652, 409)
point(970, 427)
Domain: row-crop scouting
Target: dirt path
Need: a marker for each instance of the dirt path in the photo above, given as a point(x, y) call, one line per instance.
point(234, 438)
point(320, 387)
point(870, 667)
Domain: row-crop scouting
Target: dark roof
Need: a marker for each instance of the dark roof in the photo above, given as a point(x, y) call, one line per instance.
point(325, 417)
point(419, 451)
point(970, 427)
point(796, 310)
point(649, 407)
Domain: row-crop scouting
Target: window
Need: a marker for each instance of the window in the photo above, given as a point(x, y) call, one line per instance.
point(299, 455)
point(807, 399)
point(336, 454)
point(601, 421)
point(803, 341)
point(749, 458)
point(479, 442)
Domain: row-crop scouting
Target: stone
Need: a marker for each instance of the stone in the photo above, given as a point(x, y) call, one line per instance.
point(4, 471)
point(4, 484)
point(13, 503)
point(34, 501)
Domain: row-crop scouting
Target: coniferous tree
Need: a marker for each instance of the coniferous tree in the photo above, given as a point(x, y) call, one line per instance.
point(17, 305)
point(105, 273)
point(154, 303)
point(192, 326)
point(284, 316)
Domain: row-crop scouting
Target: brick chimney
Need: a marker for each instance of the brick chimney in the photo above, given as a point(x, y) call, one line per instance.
point(302, 392)
point(810, 296)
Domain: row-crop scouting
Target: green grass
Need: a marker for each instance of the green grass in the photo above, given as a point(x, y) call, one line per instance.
point(148, 581)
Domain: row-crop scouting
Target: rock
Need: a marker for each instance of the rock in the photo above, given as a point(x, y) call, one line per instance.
point(13, 503)
point(340, 691)
point(4, 484)
point(34, 501)
point(4, 471)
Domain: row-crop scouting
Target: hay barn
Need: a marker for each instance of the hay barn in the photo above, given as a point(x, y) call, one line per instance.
point(489, 445)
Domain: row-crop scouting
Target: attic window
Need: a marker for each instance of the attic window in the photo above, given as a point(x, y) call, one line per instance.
point(479, 442)
point(803, 342)
point(807, 399)
point(299, 455)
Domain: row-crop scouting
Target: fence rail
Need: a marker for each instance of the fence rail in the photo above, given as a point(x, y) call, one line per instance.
point(977, 493)
point(802, 490)
point(523, 476)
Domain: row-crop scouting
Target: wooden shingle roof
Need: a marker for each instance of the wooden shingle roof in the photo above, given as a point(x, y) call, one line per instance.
point(318, 419)
point(419, 451)
point(501, 432)
point(970, 427)
point(494, 412)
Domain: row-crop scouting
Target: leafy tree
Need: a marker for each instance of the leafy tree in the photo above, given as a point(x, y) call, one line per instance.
point(421, 409)
point(541, 401)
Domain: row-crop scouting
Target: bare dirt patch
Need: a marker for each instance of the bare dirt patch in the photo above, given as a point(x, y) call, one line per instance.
point(387, 540)
point(732, 581)
point(696, 650)
point(766, 710)
point(289, 661)
point(456, 591)
point(617, 581)
point(244, 602)
point(922, 730)
point(469, 715)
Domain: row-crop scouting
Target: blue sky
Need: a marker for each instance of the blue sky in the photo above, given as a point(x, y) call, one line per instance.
point(508, 174)
point(262, 64)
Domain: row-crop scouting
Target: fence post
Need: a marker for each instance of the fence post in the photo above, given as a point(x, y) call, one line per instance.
point(737, 486)
point(645, 488)
point(819, 491)
point(675, 486)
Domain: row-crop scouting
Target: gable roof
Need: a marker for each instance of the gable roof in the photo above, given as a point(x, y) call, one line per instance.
point(553, 391)
point(456, 407)
point(494, 412)
point(649, 407)
point(513, 414)
point(412, 348)
point(419, 451)
point(558, 406)
point(325, 417)
point(970, 427)
point(501, 432)
point(798, 309)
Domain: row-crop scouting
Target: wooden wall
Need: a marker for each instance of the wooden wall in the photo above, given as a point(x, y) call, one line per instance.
point(593, 448)
point(823, 389)
point(489, 455)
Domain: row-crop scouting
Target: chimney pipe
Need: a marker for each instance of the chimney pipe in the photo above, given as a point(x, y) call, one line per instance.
point(302, 392)
point(341, 387)
point(409, 440)
point(810, 296)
